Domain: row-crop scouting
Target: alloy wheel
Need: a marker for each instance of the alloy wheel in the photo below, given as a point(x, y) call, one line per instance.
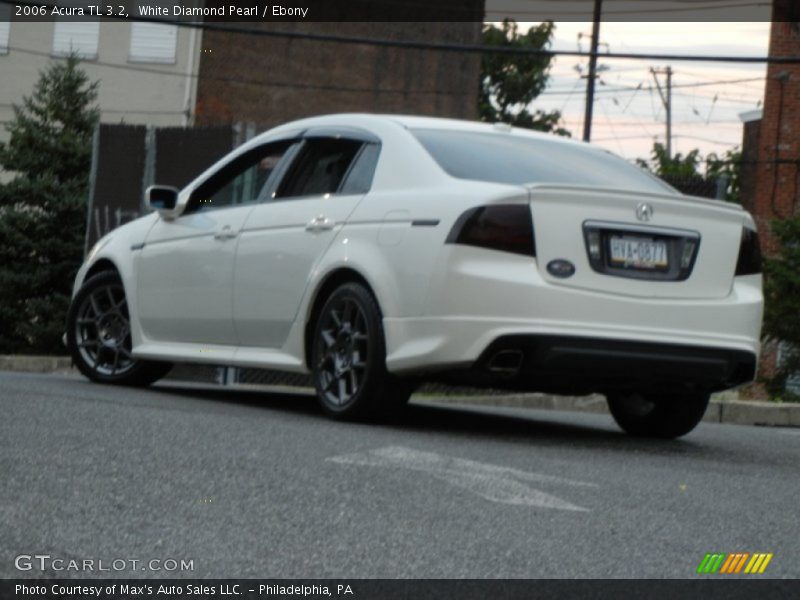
point(103, 332)
point(343, 345)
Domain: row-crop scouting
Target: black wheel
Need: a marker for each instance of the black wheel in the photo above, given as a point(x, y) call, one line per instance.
point(658, 415)
point(99, 335)
point(348, 358)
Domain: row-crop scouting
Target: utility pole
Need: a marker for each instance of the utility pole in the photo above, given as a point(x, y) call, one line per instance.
point(587, 119)
point(666, 99)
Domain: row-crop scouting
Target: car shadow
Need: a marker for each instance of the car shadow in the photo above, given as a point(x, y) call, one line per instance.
point(482, 422)
point(289, 401)
point(541, 427)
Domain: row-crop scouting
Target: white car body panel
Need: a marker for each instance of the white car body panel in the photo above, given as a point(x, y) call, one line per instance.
point(185, 278)
point(247, 300)
point(276, 252)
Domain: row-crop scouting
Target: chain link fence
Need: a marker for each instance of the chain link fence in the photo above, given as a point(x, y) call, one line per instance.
point(699, 186)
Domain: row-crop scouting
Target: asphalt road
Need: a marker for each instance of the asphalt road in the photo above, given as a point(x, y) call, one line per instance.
point(249, 484)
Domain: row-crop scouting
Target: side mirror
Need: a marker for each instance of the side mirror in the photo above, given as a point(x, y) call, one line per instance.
point(164, 199)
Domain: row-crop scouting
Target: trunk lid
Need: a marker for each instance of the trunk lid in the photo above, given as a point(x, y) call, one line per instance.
point(634, 243)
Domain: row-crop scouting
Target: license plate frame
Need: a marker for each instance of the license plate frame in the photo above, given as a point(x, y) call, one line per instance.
point(682, 246)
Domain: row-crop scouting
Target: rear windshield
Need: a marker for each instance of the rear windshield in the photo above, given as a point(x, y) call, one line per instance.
point(506, 158)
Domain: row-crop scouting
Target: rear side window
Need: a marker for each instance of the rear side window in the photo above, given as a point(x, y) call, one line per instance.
point(319, 168)
point(359, 178)
point(518, 160)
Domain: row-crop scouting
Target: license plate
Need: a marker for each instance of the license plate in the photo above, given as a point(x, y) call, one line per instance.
point(637, 253)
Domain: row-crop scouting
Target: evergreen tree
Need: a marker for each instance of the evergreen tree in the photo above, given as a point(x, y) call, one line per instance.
point(43, 207)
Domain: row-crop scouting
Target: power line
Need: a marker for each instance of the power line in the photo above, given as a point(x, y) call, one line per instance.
point(321, 87)
point(636, 116)
point(640, 123)
point(722, 98)
point(628, 137)
point(717, 82)
point(702, 139)
point(280, 84)
point(602, 106)
point(126, 67)
point(704, 76)
point(645, 136)
point(630, 88)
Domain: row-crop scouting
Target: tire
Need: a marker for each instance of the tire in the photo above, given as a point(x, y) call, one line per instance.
point(348, 358)
point(99, 336)
point(658, 415)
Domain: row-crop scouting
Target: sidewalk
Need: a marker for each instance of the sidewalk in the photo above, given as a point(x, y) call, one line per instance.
point(724, 407)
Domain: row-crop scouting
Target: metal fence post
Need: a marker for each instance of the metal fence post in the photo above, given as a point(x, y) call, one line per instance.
point(149, 175)
point(722, 187)
point(92, 183)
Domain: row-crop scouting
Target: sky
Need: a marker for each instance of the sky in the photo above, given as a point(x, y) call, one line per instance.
point(627, 121)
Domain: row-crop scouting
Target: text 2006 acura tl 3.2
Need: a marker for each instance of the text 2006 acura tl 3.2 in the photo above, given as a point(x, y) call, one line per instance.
point(378, 251)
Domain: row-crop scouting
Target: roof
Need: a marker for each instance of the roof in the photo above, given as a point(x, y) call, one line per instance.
point(425, 122)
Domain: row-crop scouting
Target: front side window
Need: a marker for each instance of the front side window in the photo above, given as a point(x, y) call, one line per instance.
point(245, 179)
point(319, 168)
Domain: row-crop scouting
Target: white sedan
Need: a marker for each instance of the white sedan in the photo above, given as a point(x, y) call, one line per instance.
point(378, 251)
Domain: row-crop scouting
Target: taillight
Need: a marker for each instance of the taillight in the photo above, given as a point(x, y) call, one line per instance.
point(504, 227)
point(749, 261)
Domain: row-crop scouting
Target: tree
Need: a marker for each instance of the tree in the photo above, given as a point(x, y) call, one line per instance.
point(782, 295)
point(510, 82)
point(43, 208)
point(683, 171)
point(678, 165)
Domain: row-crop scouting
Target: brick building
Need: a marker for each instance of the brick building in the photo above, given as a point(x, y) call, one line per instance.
point(777, 168)
point(771, 182)
point(270, 80)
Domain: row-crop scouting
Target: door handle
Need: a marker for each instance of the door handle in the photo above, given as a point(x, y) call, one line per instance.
point(226, 233)
point(320, 223)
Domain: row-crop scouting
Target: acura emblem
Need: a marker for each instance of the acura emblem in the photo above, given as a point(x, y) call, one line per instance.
point(644, 212)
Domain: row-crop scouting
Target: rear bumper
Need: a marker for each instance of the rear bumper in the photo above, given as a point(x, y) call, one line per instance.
point(481, 297)
point(572, 365)
point(578, 341)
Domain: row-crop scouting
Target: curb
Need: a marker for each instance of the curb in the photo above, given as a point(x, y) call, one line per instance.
point(724, 408)
point(35, 364)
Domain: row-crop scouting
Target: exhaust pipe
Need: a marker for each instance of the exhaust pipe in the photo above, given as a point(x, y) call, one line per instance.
point(506, 362)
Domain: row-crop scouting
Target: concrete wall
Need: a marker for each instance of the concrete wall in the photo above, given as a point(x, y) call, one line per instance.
point(130, 92)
